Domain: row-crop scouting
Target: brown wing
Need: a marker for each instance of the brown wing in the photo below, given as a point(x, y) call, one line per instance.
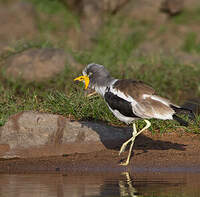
point(135, 89)
point(149, 106)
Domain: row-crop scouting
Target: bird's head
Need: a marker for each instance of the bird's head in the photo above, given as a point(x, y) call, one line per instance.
point(94, 75)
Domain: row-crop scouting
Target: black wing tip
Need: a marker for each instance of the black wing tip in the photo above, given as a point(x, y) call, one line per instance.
point(180, 120)
point(184, 110)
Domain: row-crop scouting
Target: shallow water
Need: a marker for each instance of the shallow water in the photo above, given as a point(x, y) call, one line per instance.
point(151, 184)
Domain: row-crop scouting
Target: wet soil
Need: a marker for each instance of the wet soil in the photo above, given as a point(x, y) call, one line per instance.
point(168, 152)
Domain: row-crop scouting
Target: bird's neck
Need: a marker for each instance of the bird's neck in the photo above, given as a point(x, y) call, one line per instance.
point(101, 88)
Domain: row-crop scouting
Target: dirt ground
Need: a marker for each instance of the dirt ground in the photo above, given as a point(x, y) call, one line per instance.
point(173, 151)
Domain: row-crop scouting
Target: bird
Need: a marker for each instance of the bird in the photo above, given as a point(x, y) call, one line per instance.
point(130, 100)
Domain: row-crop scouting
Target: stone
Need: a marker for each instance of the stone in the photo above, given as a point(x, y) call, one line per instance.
point(113, 6)
point(38, 64)
point(17, 21)
point(105, 5)
point(144, 10)
point(35, 134)
point(191, 4)
point(172, 7)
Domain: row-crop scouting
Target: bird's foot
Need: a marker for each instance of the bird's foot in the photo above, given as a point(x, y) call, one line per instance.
point(124, 163)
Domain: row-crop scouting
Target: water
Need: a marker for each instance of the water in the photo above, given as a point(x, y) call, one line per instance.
point(101, 184)
point(152, 184)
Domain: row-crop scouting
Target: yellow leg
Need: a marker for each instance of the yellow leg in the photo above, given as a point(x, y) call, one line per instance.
point(91, 94)
point(123, 147)
point(132, 140)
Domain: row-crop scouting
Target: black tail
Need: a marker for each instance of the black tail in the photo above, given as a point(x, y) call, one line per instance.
point(180, 120)
point(181, 110)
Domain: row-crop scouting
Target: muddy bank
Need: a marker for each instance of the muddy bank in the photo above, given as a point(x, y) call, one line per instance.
point(168, 152)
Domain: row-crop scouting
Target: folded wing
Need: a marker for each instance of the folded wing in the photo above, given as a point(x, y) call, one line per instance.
point(144, 102)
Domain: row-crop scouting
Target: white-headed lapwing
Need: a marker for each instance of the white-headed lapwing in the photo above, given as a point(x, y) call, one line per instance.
point(130, 100)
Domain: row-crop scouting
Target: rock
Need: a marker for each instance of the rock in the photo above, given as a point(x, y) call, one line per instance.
point(110, 6)
point(193, 104)
point(17, 21)
point(114, 5)
point(172, 7)
point(191, 4)
point(75, 5)
point(3, 47)
point(91, 20)
point(38, 64)
point(34, 134)
point(144, 10)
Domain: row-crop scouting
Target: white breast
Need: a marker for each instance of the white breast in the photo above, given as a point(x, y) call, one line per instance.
point(121, 117)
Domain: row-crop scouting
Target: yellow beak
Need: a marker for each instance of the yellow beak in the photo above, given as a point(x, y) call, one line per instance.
point(83, 78)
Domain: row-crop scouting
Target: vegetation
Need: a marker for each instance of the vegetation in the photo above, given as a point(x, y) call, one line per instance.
point(188, 16)
point(191, 44)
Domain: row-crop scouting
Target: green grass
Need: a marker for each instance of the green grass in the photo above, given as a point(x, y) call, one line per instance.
point(191, 44)
point(75, 105)
point(23, 45)
point(187, 16)
point(49, 6)
point(54, 20)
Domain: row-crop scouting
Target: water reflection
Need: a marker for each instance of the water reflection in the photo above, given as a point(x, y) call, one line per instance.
point(100, 184)
point(126, 188)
